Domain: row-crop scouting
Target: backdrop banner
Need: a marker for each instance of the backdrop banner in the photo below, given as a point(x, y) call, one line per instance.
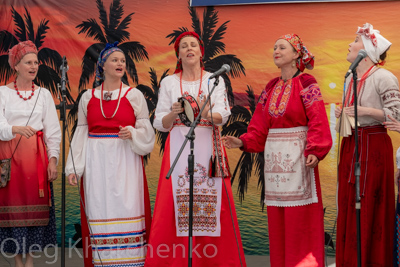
point(242, 36)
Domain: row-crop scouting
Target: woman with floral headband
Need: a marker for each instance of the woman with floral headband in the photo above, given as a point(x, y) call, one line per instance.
point(378, 98)
point(291, 127)
point(216, 236)
point(112, 135)
point(28, 121)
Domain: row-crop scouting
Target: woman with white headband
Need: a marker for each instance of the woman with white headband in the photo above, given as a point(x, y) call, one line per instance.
point(378, 98)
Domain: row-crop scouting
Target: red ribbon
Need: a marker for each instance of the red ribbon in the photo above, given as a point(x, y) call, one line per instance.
point(41, 170)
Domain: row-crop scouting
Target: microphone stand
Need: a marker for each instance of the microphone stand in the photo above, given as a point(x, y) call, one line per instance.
point(191, 136)
point(357, 171)
point(64, 69)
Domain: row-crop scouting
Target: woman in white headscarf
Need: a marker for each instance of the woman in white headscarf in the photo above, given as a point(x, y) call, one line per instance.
point(378, 98)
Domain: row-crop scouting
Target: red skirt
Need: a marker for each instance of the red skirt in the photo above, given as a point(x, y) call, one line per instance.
point(166, 249)
point(296, 234)
point(25, 201)
point(377, 200)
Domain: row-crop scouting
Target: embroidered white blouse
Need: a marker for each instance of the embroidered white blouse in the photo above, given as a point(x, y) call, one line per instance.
point(14, 111)
point(381, 91)
point(170, 92)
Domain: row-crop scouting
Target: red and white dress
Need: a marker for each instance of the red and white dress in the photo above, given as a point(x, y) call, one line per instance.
point(379, 89)
point(115, 190)
point(289, 124)
point(27, 217)
point(216, 236)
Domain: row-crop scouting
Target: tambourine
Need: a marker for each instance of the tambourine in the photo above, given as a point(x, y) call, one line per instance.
point(191, 110)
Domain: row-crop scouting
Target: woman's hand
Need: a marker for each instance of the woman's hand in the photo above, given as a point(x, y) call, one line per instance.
point(26, 131)
point(52, 169)
point(177, 108)
point(338, 111)
point(201, 101)
point(361, 111)
point(393, 125)
point(124, 133)
point(232, 142)
point(72, 180)
point(312, 161)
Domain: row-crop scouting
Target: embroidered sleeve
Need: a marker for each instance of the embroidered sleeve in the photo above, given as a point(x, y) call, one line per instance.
point(319, 139)
point(310, 95)
point(388, 89)
point(220, 100)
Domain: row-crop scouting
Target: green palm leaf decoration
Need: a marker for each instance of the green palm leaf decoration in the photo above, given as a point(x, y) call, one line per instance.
point(49, 74)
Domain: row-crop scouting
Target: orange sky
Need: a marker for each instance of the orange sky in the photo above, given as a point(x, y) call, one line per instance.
point(326, 29)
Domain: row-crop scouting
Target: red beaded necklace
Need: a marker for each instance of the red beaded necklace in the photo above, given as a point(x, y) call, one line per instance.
point(24, 98)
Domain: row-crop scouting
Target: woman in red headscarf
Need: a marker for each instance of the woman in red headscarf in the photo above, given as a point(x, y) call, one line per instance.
point(216, 236)
point(291, 127)
point(378, 102)
point(28, 121)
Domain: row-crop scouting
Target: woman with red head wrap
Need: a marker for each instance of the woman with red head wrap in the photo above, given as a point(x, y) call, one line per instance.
point(291, 127)
point(28, 122)
point(378, 101)
point(216, 236)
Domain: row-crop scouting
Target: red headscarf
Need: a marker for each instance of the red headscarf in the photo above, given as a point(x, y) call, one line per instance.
point(18, 51)
point(305, 59)
point(176, 46)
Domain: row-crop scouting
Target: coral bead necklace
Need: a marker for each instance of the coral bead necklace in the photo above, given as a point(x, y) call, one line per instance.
point(24, 98)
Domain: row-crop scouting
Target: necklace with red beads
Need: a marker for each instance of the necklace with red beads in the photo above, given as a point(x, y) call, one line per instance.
point(24, 98)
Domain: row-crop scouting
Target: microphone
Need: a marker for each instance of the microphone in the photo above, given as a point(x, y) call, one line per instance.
point(64, 64)
point(223, 69)
point(361, 55)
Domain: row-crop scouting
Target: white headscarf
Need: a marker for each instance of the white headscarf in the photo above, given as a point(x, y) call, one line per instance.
point(374, 43)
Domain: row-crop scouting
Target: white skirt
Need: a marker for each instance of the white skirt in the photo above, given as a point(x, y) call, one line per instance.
point(113, 185)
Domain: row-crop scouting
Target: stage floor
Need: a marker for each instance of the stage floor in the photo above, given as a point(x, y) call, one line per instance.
point(73, 259)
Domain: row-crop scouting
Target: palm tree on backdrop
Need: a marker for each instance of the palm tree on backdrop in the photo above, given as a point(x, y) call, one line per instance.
point(151, 96)
point(113, 28)
point(50, 60)
point(236, 126)
point(214, 48)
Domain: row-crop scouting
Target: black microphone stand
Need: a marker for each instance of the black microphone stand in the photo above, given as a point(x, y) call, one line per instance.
point(64, 69)
point(191, 136)
point(357, 171)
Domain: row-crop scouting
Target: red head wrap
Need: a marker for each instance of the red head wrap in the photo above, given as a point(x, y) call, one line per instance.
point(176, 46)
point(305, 59)
point(18, 51)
